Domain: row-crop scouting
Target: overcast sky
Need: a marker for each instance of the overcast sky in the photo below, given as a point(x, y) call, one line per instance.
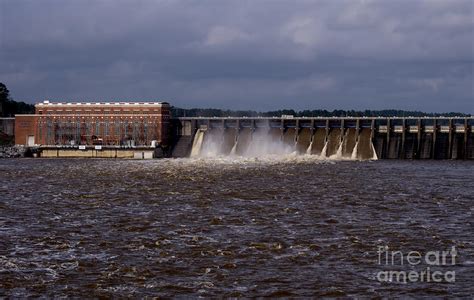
point(260, 55)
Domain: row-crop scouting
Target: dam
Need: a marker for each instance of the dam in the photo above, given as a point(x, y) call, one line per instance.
point(338, 138)
point(147, 130)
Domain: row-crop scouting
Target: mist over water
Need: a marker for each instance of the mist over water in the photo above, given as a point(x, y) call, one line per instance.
point(271, 142)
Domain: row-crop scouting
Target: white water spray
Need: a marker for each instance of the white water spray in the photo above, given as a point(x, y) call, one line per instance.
point(355, 150)
point(325, 150)
point(197, 143)
point(308, 150)
point(338, 154)
point(262, 144)
point(374, 156)
point(212, 143)
point(233, 151)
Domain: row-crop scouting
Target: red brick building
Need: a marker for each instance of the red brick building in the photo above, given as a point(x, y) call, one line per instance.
point(104, 123)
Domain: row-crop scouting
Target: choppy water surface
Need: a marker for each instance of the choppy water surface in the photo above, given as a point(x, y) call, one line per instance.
point(228, 228)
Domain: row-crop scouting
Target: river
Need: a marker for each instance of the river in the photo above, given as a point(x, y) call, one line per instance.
point(292, 227)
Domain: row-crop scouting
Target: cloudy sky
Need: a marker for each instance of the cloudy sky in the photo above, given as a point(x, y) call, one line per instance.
point(262, 55)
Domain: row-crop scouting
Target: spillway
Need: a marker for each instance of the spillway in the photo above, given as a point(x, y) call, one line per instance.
point(395, 146)
point(409, 150)
point(304, 141)
point(268, 141)
point(197, 143)
point(333, 143)
point(441, 147)
point(289, 137)
point(365, 147)
point(327, 138)
point(458, 147)
point(349, 142)
point(426, 146)
point(264, 141)
point(244, 138)
point(212, 143)
point(319, 140)
point(229, 140)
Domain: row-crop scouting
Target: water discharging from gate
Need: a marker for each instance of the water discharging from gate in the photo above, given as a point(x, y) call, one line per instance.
point(338, 144)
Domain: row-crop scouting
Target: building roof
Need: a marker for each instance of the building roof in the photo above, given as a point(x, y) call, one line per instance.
point(47, 103)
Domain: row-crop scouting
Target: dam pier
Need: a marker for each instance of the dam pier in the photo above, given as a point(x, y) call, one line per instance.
point(343, 137)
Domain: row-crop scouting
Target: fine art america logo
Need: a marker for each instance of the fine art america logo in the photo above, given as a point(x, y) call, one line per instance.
point(432, 266)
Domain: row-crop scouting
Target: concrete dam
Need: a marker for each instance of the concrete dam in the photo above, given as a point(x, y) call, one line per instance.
point(332, 138)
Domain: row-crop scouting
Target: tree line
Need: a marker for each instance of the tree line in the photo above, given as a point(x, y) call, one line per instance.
point(213, 112)
point(10, 107)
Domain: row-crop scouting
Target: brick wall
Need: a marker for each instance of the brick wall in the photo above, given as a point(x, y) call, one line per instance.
point(92, 123)
point(25, 125)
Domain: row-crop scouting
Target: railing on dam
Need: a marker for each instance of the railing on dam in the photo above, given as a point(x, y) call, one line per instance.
point(391, 138)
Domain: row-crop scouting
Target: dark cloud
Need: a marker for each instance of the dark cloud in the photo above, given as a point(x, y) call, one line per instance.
point(243, 54)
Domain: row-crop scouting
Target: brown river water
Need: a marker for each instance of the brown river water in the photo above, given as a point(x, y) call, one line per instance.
point(222, 227)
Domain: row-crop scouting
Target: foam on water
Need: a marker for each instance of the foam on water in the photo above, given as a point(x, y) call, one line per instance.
point(269, 159)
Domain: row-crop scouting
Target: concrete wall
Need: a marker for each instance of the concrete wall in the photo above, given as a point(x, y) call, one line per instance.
point(91, 153)
point(7, 126)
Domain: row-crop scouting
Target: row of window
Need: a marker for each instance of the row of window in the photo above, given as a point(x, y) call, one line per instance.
point(115, 112)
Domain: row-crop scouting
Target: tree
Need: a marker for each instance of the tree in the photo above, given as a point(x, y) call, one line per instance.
point(4, 97)
point(9, 108)
point(4, 93)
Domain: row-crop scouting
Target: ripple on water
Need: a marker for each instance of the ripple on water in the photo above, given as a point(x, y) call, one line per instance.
point(287, 227)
